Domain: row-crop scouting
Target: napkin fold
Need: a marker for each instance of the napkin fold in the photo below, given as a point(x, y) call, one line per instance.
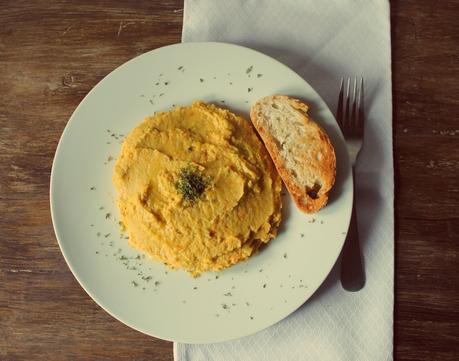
point(323, 41)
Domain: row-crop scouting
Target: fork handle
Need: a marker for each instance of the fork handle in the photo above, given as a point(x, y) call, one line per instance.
point(352, 271)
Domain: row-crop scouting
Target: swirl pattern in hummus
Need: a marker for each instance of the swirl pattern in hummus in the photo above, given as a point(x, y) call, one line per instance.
point(239, 210)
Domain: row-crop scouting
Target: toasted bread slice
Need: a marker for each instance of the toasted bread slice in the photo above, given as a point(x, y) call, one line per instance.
point(299, 147)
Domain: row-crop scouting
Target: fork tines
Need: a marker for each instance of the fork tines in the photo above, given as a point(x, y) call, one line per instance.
point(350, 119)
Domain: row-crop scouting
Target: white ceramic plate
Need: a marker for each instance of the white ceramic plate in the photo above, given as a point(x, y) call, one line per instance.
point(141, 293)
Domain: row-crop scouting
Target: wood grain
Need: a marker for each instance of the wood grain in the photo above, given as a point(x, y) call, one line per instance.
point(425, 44)
point(53, 52)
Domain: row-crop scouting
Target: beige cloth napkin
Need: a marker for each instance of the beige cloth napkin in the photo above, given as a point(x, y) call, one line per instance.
point(323, 41)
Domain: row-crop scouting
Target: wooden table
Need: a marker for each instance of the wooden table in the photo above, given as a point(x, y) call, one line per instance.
point(53, 52)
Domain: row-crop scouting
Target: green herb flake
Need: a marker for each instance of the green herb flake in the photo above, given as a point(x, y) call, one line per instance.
point(302, 235)
point(108, 215)
point(251, 317)
point(147, 278)
point(180, 67)
point(101, 207)
point(98, 234)
point(225, 306)
point(249, 69)
point(191, 184)
point(92, 188)
point(249, 90)
point(123, 258)
point(201, 80)
point(97, 252)
point(195, 288)
point(166, 83)
point(134, 283)
point(285, 255)
point(161, 94)
point(228, 294)
point(264, 285)
point(259, 75)
point(157, 283)
point(106, 235)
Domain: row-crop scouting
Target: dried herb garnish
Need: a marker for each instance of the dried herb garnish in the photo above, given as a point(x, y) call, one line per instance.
point(249, 69)
point(191, 183)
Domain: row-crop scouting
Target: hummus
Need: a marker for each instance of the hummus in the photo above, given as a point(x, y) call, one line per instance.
point(197, 189)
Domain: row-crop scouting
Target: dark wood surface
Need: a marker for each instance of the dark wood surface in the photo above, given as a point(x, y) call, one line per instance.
point(53, 52)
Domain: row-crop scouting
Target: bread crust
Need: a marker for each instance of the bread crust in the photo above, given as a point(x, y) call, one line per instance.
point(324, 169)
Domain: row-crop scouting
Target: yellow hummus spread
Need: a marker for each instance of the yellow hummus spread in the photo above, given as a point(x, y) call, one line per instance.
point(197, 189)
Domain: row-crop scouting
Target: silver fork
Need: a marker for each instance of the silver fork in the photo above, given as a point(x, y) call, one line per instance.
point(351, 122)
